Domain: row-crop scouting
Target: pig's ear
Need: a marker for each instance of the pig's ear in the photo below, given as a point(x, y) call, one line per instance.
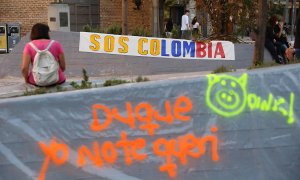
point(212, 79)
point(243, 80)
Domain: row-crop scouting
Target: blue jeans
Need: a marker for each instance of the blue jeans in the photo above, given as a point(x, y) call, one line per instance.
point(185, 34)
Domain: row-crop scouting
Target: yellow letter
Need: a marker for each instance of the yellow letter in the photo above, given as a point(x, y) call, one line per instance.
point(109, 43)
point(141, 49)
point(93, 39)
point(154, 47)
point(123, 44)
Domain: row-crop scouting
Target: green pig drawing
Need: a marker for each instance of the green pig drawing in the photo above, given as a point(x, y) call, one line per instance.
point(227, 95)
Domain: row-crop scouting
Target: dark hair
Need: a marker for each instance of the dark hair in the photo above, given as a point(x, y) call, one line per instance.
point(194, 20)
point(186, 11)
point(273, 20)
point(40, 31)
point(276, 29)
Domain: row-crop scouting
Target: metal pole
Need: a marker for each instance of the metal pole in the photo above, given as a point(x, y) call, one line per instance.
point(293, 20)
point(286, 11)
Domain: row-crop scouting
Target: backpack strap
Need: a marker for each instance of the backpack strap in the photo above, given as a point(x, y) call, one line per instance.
point(37, 50)
point(50, 44)
point(34, 47)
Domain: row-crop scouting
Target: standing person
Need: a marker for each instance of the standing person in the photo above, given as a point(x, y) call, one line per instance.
point(196, 28)
point(169, 28)
point(40, 41)
point(294, 52)
point(185, 25)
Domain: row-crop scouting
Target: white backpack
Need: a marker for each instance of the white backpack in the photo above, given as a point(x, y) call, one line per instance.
point(45, 67)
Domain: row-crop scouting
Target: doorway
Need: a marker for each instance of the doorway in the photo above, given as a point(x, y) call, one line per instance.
point(84, 12)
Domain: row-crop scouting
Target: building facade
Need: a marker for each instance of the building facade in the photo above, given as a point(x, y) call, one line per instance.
point(97, 13)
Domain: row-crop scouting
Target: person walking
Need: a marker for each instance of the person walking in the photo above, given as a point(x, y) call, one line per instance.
point(196, 28)
point(185, 25)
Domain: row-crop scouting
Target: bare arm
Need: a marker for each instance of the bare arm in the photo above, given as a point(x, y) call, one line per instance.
point(199, 29)
point(25, 66)
point(62, 62)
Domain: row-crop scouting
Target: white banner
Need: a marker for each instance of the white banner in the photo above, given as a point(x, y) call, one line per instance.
point(155, 47)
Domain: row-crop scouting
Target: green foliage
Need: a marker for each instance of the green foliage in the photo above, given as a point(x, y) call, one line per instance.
point(169, 3)
point(241, 13)
point(142, 79)
point(264, 65)
point(113, 82)
point(43, 90)
point(176, 32)
point(222, 69)
point(36, 91)
point(60, 89)
point(75, 85)
point(141, 31)
point(114, 29)
point(88, 28)
point(276, 8)
point(85, 83)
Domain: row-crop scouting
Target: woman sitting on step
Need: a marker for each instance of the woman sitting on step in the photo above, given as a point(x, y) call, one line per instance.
point(46, 57)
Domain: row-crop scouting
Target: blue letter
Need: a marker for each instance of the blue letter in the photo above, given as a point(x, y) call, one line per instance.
point(176, 48)
point(188, 49)
point(164, 48)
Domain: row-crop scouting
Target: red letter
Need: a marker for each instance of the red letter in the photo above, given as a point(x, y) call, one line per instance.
point(201, 50)
point(219, 50)
point(209, 50)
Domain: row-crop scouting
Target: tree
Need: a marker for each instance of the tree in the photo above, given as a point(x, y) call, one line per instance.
point(261, 34)
point(161, 15)
point(242, 13)
point(124, 17)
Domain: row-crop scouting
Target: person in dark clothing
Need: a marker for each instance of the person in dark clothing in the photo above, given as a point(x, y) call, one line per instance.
point(169, 28)
point(281, 41)
point(270, 39)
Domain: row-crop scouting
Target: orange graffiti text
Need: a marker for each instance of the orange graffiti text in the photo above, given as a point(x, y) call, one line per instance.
point(58, 153)
point(182, 148)
point(144, 112)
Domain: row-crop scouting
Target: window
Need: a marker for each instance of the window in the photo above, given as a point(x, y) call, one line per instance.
point(64, 21)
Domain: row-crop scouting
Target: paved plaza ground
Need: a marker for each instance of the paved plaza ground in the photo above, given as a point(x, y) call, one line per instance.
point(101, 67)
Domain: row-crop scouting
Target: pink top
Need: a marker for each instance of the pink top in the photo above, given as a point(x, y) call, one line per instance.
point(56, 49)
